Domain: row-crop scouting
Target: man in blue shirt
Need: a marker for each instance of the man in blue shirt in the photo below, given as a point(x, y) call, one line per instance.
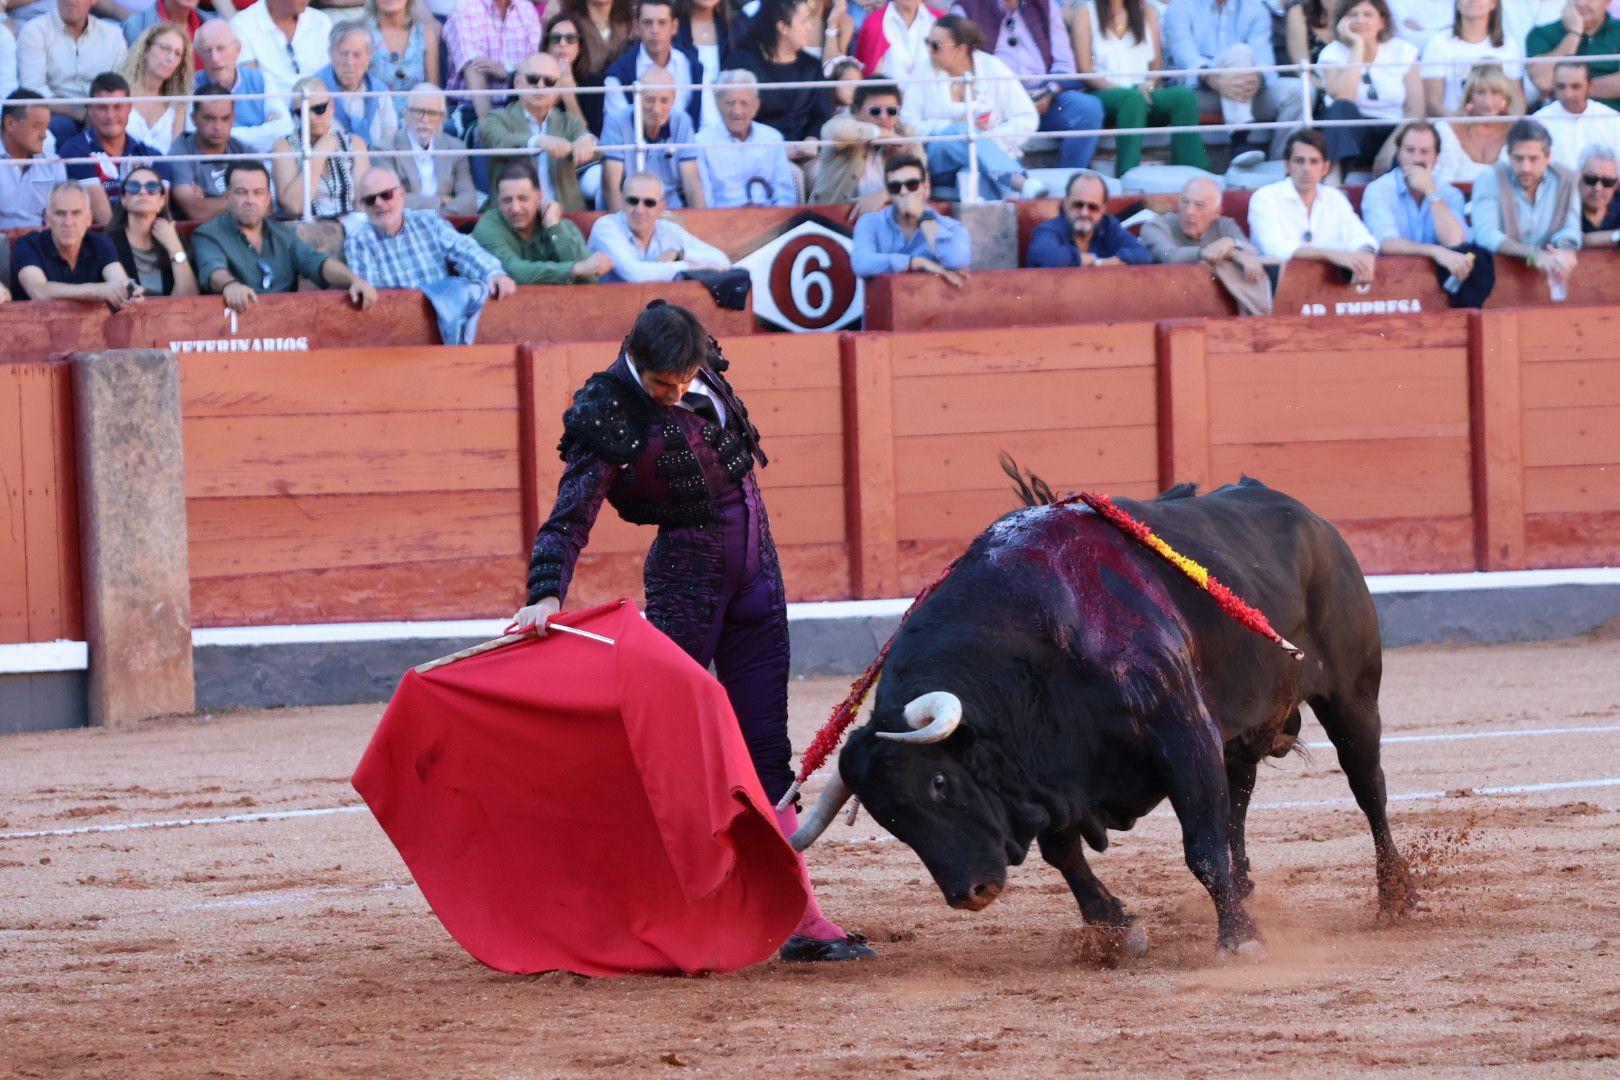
point(907, 234)
point(663, 128)
point(1410, 213)
point(1233, 33)
point(1083, 234)
point(105, 139)
point(257, 122)
point(741, 162)
point(1528, 209)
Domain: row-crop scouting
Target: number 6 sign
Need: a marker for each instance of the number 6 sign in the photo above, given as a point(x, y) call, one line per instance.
point(803, 278)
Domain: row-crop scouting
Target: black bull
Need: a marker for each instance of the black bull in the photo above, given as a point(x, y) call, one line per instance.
point(1091, 680)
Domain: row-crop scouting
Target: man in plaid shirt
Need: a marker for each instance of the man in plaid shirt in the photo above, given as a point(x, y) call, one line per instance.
point(487, 39)
point(417, 249)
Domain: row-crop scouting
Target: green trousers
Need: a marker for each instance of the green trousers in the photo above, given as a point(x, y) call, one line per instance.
point(1173, 106)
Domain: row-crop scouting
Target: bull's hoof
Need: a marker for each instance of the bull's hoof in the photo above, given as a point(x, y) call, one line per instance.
point(1245, 952)
point(1244, 886)
point(1108, 945)
point(1136, 939)
point(1398, 896)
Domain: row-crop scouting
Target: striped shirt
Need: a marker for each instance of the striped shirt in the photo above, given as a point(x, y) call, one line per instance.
point(476, 29)
point(422, 252)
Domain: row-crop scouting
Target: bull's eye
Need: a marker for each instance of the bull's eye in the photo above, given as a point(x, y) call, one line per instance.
point(936, 790)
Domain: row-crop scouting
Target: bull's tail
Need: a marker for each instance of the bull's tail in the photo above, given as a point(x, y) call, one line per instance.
point(1030, 489)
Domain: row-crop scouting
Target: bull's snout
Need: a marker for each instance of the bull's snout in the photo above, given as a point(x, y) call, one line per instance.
point(977, 898)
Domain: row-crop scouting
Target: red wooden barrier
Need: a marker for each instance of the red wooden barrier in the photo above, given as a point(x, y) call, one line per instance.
point(40, 598)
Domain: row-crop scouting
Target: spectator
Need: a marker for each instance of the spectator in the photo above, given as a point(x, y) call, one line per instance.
point(643, 244)
point(704, 26)
point(741, 162)
point(25, 190)
point(259, 121)
point(244, 252)
point(852, 161)
point(1419, 21)
point(1600, 209)
point(107, 140)
point(1084, 233)
point(1586, 29)
point(1528, 209)
point(159, 64)
point(416, 249)
point(146, 240)
point(527, 233)
point(1000, 108)
point(349, 77)
point(558, 140)
point(909, 235)
point(846, 73)
point(1519, 17)
point(431, 182)
point(286, 40)
point(335, 157)
point(562, 43)
point(1369, 74)
point(1030, 38)
point(1199, 232)
point(1574, 121)
point(182, 13)
point(66, 261)
point(1475, 38)
point(404, 47)
point(656, 26)
point(60, 52)
point(487, 40)
point(8, 62)
point(1233, 34)
point(1467, 149)
point(1300, 218)
point(893, 42)
point(1409, 212)
point(605, 27)
point(661, 126)
point(199, 186)
point(1308, 28)
point(1121, 60)
point(775, 52)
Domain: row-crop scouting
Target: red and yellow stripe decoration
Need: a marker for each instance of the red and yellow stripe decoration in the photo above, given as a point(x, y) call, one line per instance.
point(1225, 598)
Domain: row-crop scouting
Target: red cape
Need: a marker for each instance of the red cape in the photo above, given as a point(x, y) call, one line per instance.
point(563, 803)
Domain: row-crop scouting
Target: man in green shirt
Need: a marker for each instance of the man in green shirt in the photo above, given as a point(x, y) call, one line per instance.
point(1587, 29)
point(243, 252)
point(527, 234)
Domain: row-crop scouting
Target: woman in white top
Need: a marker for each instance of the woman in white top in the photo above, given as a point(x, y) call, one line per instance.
point(159, 64)
point(1476, 38)
point(1000, 111)
point(1466, 150)
point(1118, 42)
point(1369, 74)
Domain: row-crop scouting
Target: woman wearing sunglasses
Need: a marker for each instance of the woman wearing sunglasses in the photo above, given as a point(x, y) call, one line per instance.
point(1369, 74)
point(404, 46)
point(604, 27)
point(334, 158)
point(563, 43)
point(144, 236)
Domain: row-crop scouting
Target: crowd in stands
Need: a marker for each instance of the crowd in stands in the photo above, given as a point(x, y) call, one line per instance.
point(241, 116)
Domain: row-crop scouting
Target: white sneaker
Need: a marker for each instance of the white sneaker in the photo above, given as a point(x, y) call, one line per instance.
point(1033, 188)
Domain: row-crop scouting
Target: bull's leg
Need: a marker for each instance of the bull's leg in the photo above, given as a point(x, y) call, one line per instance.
point(1352, 723)
point(1099, 907)
point(1240, 780)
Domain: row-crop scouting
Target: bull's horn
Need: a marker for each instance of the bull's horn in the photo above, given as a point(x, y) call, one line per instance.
point(833, 797)
point(934, 716)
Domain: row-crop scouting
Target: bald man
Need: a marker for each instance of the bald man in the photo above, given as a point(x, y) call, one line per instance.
point(1198, 232)
point(555, 141)
point(432, 181)
point(662, 125)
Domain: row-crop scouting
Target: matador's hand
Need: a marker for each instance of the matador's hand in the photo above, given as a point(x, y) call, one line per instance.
point(535, 615)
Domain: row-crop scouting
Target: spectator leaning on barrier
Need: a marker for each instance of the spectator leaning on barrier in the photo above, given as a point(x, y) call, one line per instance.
point(646, 246)
point(348, 75)
point(852, 160)
point(741, 162)
point(528, 234)
point(1586, 29)
point(656, 49)
point(60, 52)
point(1197, 231)
point(1030, 38)
point(66, 261)
point(259, 122)
point(106, 140)
point(556, 139)
point(1083, 233)
point(432, 181)
point(1410, 213)
point(1528, 208)
point(244, 252)
point(1233, 34)
point(1600, 209)
point(26, 189)
point(186, 14)
point(893, 42)
point(662, 129)
point(1573, 120)
point(908, 235)
point(286, 40)
point(146, 240)
point(1301, 218)
point(199, 186)
point(335, 157)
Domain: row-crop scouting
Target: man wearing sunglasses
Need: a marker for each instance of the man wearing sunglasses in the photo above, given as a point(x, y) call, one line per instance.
point(432, 181)
point(1084, 233)
point(741, 162)
point(554, 140)
point(852, 155)
point(646, 246)
point(1600, 207)
point(909, 235)
point(1573, 119)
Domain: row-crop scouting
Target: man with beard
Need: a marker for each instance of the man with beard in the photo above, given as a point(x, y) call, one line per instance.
point(1083, 233)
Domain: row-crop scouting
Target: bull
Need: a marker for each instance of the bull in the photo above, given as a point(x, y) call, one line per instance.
point(1064, 679)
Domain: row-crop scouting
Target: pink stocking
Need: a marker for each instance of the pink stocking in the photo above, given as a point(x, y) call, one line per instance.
point(814, 924)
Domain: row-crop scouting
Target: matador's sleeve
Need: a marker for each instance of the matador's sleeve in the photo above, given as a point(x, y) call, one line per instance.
point(585, 482)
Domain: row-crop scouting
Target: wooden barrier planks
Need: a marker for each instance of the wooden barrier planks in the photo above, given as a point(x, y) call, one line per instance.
point(40, 595)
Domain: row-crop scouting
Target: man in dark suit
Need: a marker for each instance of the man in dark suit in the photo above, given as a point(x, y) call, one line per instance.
point(431, 182)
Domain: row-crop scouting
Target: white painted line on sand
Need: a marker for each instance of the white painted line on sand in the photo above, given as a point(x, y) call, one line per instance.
point(1461, 736)
point(175, 823)
point(36, 657)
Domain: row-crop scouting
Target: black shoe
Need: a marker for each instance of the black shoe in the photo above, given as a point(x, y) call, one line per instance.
point(799, 949)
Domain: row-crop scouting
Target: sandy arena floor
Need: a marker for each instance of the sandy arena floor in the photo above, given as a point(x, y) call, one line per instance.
point(299, 947)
